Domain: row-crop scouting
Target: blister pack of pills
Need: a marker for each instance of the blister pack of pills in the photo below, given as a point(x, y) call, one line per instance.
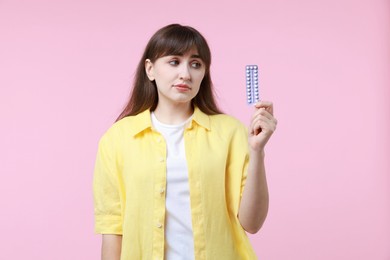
point(252, 84)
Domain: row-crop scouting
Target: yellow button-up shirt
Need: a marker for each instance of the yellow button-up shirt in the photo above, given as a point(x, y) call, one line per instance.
point(130, 180)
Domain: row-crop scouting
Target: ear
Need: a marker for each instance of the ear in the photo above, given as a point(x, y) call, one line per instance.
point(149, 69)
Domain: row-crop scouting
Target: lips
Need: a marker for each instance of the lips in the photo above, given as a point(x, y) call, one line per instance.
point(182, 87)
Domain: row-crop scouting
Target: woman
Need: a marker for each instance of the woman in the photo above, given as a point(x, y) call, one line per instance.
point(170, 173)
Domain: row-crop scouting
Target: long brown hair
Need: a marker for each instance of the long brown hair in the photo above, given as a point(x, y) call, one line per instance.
point(173, 39)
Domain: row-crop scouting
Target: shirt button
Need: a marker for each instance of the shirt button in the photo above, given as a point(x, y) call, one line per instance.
point(159, 225)
point(161, 159)
point(159, 140)
point(162, 190)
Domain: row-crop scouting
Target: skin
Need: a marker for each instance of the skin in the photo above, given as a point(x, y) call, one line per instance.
point(255, 199)
point(178, 80)
point(111, 247)
point(174, 105)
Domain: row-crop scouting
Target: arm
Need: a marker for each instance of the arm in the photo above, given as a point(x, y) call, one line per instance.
point(111, 247)
point(255, 200)
point(107, 202)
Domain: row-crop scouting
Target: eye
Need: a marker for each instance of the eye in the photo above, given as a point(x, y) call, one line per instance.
point(174, 62)
point(196, 64)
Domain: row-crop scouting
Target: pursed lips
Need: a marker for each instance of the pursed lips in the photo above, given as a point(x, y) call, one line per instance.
point(182, 86)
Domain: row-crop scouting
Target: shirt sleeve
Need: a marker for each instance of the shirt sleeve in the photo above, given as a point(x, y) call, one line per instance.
point(245, 157)
point(106, 190)
point(238, 162)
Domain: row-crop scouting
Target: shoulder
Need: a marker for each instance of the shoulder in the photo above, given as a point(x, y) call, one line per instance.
point(118, 127)
point(227, 127)
point(225, 121)
point(123, 128)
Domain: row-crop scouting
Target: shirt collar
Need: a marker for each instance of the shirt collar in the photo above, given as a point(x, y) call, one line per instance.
point(200, 118)
point(142, 121)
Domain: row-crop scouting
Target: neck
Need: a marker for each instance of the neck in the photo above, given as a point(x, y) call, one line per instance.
point(173, 114)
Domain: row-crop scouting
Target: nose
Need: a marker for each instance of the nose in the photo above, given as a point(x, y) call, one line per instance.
point(184, 73)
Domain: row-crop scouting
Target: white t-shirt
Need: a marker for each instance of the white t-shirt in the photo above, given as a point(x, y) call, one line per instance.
point(179, 242)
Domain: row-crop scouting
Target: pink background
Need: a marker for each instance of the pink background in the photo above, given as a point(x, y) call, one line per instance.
point(65, 72)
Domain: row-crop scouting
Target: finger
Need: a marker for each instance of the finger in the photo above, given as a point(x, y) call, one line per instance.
point(258, 111)
point(262, 126)
point(255, 126)
point(262, 112)
point(258, 125)
point(265, 124)
point(268, 105)
point(269, 117)
point(263, 103)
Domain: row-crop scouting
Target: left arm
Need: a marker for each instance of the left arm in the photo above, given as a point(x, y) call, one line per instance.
point(254, 202)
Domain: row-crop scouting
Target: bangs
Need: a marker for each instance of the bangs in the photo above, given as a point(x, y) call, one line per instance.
point(179, 41)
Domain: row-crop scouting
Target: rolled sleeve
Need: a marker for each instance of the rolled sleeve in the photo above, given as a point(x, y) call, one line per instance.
point(106, 190)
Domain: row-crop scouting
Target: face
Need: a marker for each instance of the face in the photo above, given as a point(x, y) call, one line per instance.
point(177, 77)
